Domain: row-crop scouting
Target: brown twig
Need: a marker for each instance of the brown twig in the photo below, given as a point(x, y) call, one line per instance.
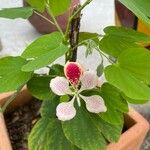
point(74, 36)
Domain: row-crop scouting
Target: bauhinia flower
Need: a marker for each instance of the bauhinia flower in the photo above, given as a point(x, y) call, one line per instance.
point(76, 81)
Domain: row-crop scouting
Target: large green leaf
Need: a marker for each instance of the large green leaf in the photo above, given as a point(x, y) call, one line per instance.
point(39, 87)
point(137, 61)
point(47, 134)
point(18, 12)
point(128, 33)
point(58, 7)
point(111, 132)
point(11, 76)
point(44, 51)
point(127, 83)
point(113, 45)
point(37, 4)
point(118, 39)
point(56, 70)
point(113, 98)
point(140, 8)
point(112, 115)
point(83, 132)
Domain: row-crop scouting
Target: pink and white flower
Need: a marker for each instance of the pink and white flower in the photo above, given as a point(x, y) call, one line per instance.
point(75, 82)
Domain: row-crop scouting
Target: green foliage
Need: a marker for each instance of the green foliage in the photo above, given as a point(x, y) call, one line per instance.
point(56, 70)
point(39, 87)
point(13, 13)
point(140, 8)
point(44, 51)
point(110, 132)
point(83, 132)
point(137, 61)
point(37, 4)
point(48, 134)
point(127, 83)
point(118, 39)
point(58, 7)
point(11, 76)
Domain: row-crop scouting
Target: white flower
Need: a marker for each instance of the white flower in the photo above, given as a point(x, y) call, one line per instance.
point(75, 76)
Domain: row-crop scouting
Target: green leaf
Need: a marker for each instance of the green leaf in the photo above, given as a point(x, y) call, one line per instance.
point(18, 12)
point(57, 70)
point(128, 33)
point(44, 51)
point(140, 8)
point(82, 131)
point(58, 7)
point(47, 134)
point(134, 101)
point(114, 45)
point(11, 76)
point(48, 108)
point(127, 83)
point(39, 87)
point(137, 61)
point(84, 37)
point(118, 39)
point(113, 98)
point(37, 4)
point(111, 132)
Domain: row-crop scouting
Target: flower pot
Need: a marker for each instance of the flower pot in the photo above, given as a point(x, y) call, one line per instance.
point(131, 139)
point(45, 27)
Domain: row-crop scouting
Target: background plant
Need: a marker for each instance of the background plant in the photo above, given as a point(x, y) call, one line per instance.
point(128, 75)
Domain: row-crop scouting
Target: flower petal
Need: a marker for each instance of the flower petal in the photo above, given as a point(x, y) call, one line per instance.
point(65, 111)
point(89, 80)
point(73, 72)
point(95, 104)
point(60, 86)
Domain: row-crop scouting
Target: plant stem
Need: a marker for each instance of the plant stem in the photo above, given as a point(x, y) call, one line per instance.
point(44, 17)
point(76, 13)
point(11, 98)
point(73, 36)
point(55, 21)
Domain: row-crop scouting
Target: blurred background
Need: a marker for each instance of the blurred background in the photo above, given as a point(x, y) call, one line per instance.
point(15, 35)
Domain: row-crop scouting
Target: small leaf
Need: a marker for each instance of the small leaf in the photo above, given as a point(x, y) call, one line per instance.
point(82, 131)
point(18, 12)
point(58, 7)
point(11, 76)
point(140, 8)
point(57, 70)
point(127, 83)
point(44, 51)
point(100, 69)
point(39, 87)
point(37, 4)
point(47, 134)
point(84, 37)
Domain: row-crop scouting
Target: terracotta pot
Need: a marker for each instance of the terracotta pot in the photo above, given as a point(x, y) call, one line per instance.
point(45, 27)
point(132, 139)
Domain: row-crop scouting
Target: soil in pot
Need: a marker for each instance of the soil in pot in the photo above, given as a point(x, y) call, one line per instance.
point(20, 122)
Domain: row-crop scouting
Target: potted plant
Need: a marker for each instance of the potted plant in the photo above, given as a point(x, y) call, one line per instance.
point(79, 110)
